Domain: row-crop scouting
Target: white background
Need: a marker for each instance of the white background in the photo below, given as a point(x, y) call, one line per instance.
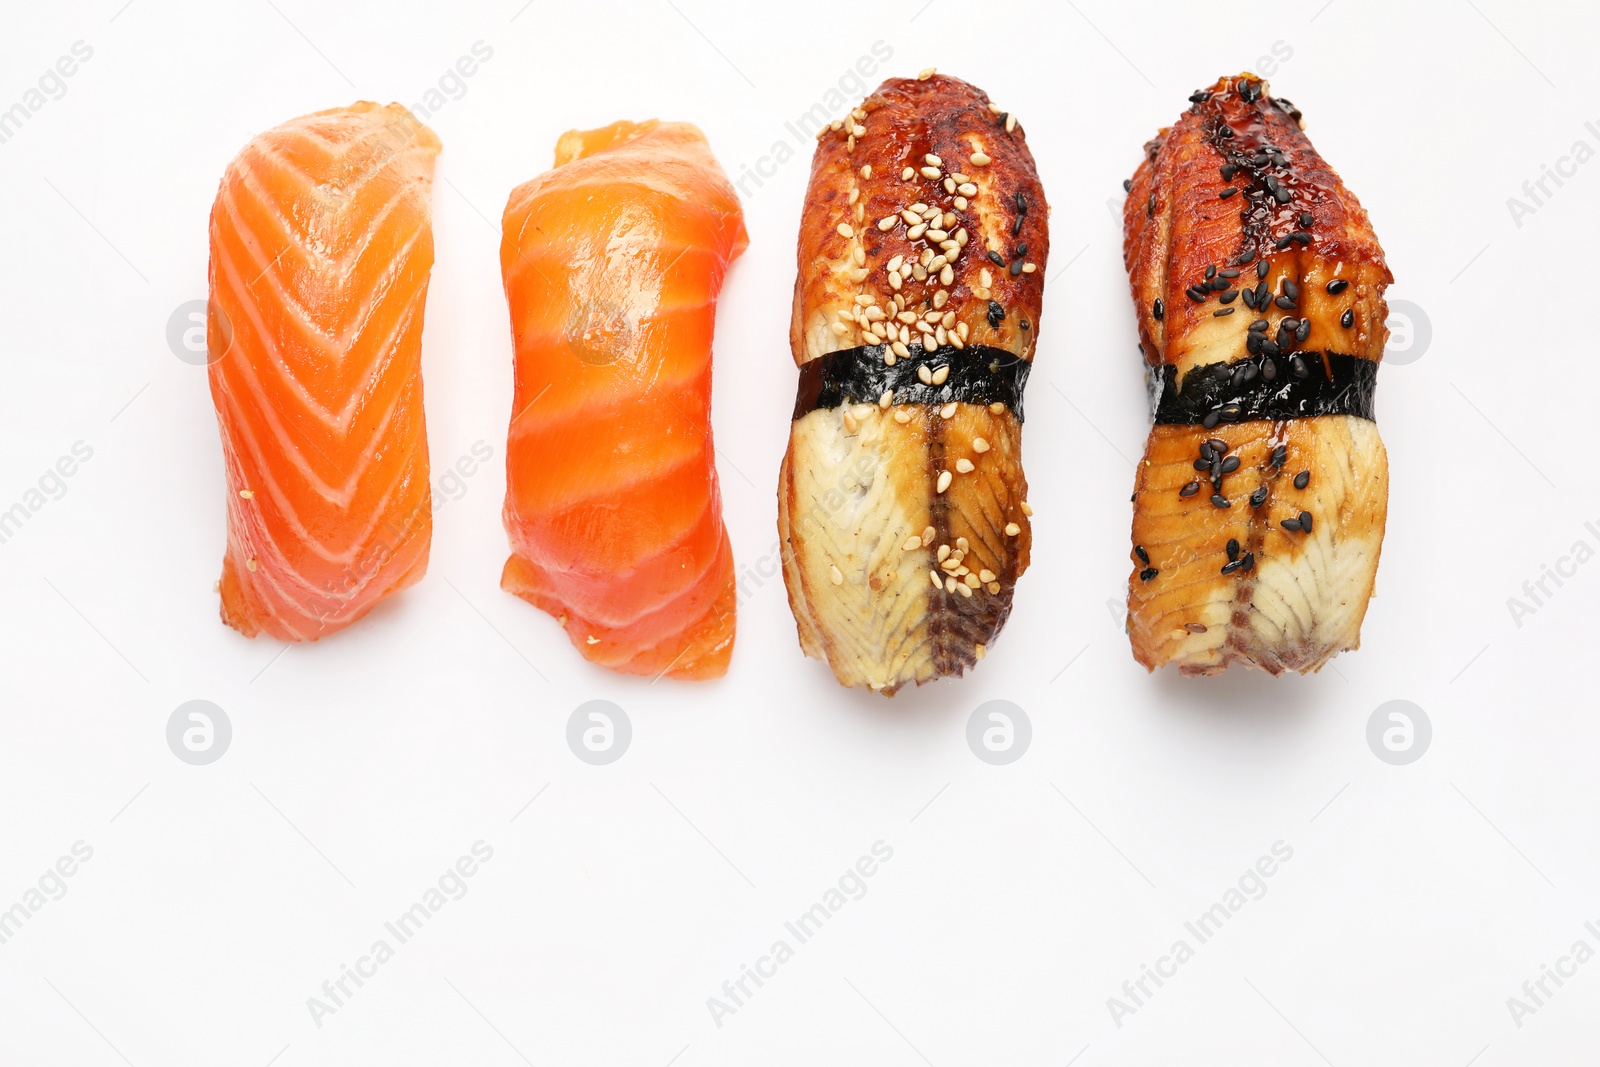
point(1019, 898)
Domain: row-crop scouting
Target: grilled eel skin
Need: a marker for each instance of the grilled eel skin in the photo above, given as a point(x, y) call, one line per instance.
point(1225, 567)
point(904, 518)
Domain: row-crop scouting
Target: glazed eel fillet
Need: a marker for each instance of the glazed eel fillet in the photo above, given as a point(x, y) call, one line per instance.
point(1258, 282)
point(901, 502)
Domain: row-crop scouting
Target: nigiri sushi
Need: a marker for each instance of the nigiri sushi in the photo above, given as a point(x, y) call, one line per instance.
point(612, 262)
point(321, 247)
point(1259, 507)
point(902, 505)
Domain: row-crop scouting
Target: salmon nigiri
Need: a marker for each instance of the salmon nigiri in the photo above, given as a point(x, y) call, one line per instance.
point(613, 261)
point(321, 245)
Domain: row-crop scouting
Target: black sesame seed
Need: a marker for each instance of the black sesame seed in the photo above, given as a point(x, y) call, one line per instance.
point(1229, 296)
point(1243, 374)
point(1216, 285)
point(1230, 412)
point(1270, 347)
point(1217, 445)
point(1262, 268)
point(1016, 226)
point(1024, 324)
point(1281, 195)
point(1204, 462)
point(1337, 286)
point(1022, 202)
point(1222, 312)
point(1195, 293)
point(1306, 219)
point(1252, 343)
point(1286, 303)
point(1230, 464)
point(1298, 366)
point(1258, 497)
point(996, 313)
point(1259, 324)
point(1280, 454)
point(1144, 557)
point(1290, 524)
point(1127, 185)
point(1015, 268)
point(1189, 490)
point(1229, 191)
point(1291, 290)
point(1230, 273)
point(1021, 249)
point(1249, 298)
point(1200, 96)
point(1229, 170)
point(1229, 568)
point(1269, 370)
point(1303, 331)
point(1158, 309)
point(1233, 548)
point(1300, 235)
point(1282, 242)
point(1305, 521)
point(1150, 208)
point(1211, 419)
point(1211, 270)
point(1302, 479)
point(1218, 500)
point(1147, 574)
point(1261, 296)
point(1348, 319)
point(996, 258)
point(1248, 563)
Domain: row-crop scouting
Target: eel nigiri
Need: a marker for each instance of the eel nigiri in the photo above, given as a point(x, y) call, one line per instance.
point(321, 247)
point(612, 263)
point(1259, 507)
point(901, 500)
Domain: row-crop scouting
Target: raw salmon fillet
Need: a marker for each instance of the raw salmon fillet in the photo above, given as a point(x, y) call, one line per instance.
point(321, 245)
point(612, 263)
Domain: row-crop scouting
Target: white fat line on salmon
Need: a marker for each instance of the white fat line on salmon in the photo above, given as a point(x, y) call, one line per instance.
point(51, 85)
point(1538, 191)
point(1537, 590)
point(851, 885)
point(450, 885)
point(51, 486)
point(51, 885)
point(1252, 885)
point(1536, 992)
point(849, 87)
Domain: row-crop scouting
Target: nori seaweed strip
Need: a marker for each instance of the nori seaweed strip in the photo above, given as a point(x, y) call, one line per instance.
point(1331, 383)
point(979, 374)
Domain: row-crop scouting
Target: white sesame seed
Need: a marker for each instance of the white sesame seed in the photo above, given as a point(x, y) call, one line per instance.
point(980, 159)
point(979, 650)
point(894, 264)
point(996, 108)
point(940, 337)
point(930, 172)
point(846, 230)
point(958, 176)
point(907, 317)
point(948, 410)
point(840, 328)
point(949, 220)
point(972, 581)
point(934, 576)
point(250, 564)
point(886, 399)
point(967, 189)
point(866, 299)
point(963, 590)
point(902, 416)
point(888, 357)
point(961, 328)
point(979, 445)
point(961, 203)
point(949, 185)
point(937, 234)
point(944, 553)
point(963, 545)
point(1011, 123)
point(850, 423)
point(940, 298)
point(986, 575)
point(981, 292)
point(925, 74)
point(949, 320)
point(859, 274)
point(993, 587)
point(859, 254)
point(947, 276)
point(961, 237)
point(963, 466)
point(247, 494)
point(997, 408)
point(957, 342)
point(1012, 529)
point(912, 544)
point(907, 174)
point(1026, 510)
point(944, 481)
point(850, 143)
point(985, 279)
point(836, 574)
point(941, 375)
point(900, 350)
point(917, 231)
point(866, 169)
point(932, 160)
point(1029, 268)
point(923, 376)
point(855, 194)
